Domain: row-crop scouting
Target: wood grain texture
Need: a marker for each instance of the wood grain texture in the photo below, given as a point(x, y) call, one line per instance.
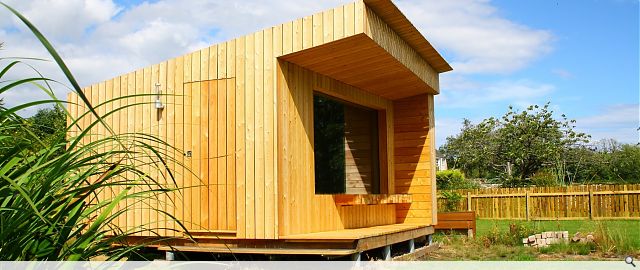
point(244, 110)
point(414, 158)
point(554, 203)
point(300, 207)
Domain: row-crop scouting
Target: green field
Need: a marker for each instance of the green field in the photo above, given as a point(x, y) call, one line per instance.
point(628, 230)
point(501, 240)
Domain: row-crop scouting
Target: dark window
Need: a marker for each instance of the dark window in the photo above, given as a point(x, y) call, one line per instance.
point(346, 147)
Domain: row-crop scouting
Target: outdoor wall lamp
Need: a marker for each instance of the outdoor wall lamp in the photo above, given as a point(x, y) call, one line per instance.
point(159, 104)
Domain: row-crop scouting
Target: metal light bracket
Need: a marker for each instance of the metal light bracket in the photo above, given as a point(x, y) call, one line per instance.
point(158, 103)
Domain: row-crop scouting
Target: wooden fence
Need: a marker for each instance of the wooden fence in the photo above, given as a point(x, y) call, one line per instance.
point(552, 203)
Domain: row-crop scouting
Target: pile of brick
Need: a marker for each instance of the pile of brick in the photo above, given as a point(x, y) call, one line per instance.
point(545, 239)
point(579, 238)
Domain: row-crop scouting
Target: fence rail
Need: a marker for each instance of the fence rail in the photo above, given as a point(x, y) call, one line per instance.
point(553, 203)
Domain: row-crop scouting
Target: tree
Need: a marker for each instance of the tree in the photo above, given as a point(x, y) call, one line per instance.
point(514, 146)
point(532, 138)
point(49, 123)
point(472, 150)
point(625, 163)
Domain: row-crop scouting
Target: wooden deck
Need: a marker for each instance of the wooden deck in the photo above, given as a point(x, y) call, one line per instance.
point(330, 243)
point(356, 234)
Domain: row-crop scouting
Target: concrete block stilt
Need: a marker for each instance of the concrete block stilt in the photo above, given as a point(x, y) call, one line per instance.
point(386, 253)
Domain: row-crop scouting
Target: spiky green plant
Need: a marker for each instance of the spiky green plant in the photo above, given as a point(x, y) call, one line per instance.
point(49, 206)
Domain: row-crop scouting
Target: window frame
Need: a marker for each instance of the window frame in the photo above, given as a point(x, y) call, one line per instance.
point(382, 143)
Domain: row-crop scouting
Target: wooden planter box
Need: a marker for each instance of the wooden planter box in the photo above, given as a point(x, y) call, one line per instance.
point(457, 221)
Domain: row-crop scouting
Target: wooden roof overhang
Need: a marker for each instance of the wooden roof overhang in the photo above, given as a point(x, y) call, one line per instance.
point(393, 17)
point(359, 61)
point(390, 58)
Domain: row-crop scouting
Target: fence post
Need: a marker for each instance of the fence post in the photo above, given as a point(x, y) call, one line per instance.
point(625, 200)
point(526, 207)
point(590, 204)
point(468, 201)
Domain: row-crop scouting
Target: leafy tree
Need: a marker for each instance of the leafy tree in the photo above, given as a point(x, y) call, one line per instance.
point(606, 161)
point(473, 149)
point(30, 135)
point(514, 146)
point(533, 137)
point(49, 123)
point(625, 163)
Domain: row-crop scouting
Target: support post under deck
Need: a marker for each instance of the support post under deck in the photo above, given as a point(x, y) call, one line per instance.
point(412, 245)
point(169, 256)
point(386, 253)
point(357, 258)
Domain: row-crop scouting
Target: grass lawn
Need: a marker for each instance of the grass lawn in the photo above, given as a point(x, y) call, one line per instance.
point(627, 230)
point(495, 240)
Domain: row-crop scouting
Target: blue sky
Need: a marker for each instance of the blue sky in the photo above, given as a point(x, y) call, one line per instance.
point(590, 71)
point(580, 55)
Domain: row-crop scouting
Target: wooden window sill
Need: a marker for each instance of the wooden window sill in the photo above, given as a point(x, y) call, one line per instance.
point(364, 199)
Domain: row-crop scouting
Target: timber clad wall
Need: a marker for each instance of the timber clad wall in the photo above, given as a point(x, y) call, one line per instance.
point(414, 157)
point(244, 110)
point(295, 172)
point(359, 150)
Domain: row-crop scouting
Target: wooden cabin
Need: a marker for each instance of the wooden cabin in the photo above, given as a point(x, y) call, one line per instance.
point(315, 136)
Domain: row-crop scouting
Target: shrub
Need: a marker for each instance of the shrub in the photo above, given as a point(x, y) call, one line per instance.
point(451, 201)
point(544, 179)
point(453, 179)
point(517, 231)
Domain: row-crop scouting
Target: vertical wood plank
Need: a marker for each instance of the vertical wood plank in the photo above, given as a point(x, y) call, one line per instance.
point(203, 141)
point(349, 19)
point(108, 107)
point(268, 122)
point(196, 153)
point(213, 62)
point(250, 137)
point(171, 142)
point(163, 133)
point(189, 180)
point(277, 50)
point(195, 139)
point(154, 131)
point(142, 113)
point(307, 32)
point(318, 34)
point(131, 114)
point(327, 23)
point(260, 177)
point(222, 138)
point(97, 98)
point(222, 154)
point(214, 157)
point(205, 202)
point(240, 153)
point(338, 22)
point(231, 135)
point(359, 17)
point(179, 141)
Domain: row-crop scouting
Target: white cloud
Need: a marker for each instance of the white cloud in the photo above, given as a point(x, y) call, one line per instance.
point(620, 122)
point(479, 38)
point(465, 93)
point(99, 39)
